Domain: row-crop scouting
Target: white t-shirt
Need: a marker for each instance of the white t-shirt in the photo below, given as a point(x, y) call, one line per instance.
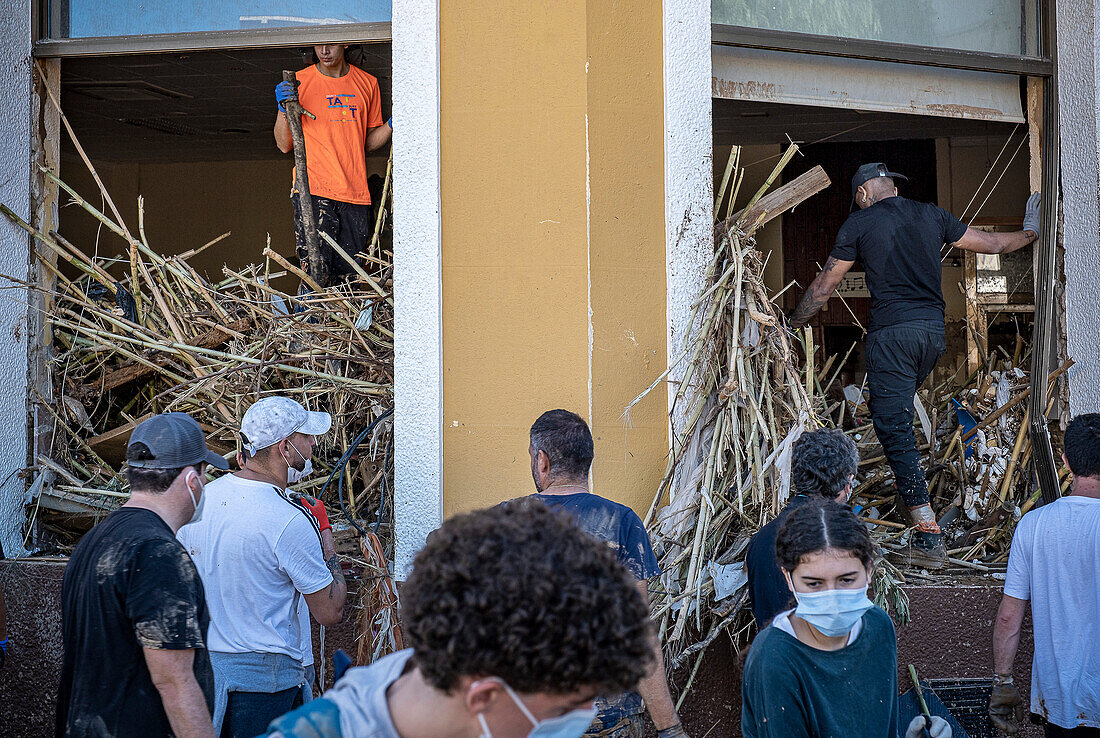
point(1055, 563)
point(257, 554)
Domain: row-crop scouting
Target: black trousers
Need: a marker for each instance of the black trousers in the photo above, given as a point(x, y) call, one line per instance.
point(247, 714)
point(348, 224)
point(899, 358)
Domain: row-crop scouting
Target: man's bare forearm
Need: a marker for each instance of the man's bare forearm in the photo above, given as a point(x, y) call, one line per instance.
point(1006, 634)
point(185, 705)
point(819, 292)
point(339, 587)
point(654, 690)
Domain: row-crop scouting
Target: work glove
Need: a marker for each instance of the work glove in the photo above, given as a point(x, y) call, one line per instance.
point(285, 91)
point(1006, 709)
point(317, 509)
point(676, 731)
point(3, 651)
point(937, 728)
point(1031, 214)
point(390, 122)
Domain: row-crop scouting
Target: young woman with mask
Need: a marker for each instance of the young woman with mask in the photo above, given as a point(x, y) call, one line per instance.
point(828, 667)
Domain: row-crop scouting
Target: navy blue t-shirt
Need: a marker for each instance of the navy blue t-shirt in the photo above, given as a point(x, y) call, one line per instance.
point(898, 241)
point(615, 524)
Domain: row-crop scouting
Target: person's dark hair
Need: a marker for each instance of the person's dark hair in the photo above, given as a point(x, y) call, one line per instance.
point(823, 463)
point(519, 592)
point(820, 525)
point(150, 481)
point(1082, 445)
point(567, 442)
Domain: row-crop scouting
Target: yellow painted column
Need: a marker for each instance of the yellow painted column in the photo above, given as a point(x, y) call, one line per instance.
point(552, 187)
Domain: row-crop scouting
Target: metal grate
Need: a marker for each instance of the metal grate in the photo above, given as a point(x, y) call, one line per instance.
point(968, 701)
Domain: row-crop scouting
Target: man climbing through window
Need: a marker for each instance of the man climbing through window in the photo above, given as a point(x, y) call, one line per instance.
point(346, 126)
point(899, 243)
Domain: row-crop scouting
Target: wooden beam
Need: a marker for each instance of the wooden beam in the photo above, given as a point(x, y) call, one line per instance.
point(777, 202)
point(130, 372)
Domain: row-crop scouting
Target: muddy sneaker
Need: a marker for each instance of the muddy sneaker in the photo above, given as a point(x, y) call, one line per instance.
point(926, 549)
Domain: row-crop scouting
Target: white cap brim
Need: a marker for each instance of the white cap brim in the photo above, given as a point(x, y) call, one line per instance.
point(317, 424)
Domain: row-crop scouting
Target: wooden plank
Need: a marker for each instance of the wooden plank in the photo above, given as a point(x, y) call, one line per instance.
point(778, 201)
point(974, 320)
point(129, 372)
point(112, 444)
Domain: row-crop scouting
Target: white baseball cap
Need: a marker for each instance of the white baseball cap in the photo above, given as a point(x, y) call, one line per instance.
point(274, 418)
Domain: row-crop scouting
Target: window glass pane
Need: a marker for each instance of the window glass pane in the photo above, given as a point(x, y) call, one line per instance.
point(993, 26)
point(88, 18)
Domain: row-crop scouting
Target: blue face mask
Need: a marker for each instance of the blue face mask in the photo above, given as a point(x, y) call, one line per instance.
point(834, 612)
point(570, 725)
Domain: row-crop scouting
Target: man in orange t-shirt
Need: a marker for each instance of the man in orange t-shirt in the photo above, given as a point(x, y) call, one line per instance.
point(348, 125)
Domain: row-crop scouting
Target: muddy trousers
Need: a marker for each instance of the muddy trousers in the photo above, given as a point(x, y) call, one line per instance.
point(1057, 731)
point(899, 358)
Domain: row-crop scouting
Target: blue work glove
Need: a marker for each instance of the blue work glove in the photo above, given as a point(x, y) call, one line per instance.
point(3, 651)
point(390, 122)
point(285, 91)
point(1031, 214)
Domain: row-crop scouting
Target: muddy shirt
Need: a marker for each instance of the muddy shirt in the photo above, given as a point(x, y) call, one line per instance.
point(129, 584)
point(616, 525)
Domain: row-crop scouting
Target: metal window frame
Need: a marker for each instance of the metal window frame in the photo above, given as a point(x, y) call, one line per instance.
point(207, 40)
point(883, 51)
point(1042, 67)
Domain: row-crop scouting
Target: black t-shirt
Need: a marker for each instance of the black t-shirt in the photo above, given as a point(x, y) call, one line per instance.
point(898, 241)
point(129, 584)
point(767, 585)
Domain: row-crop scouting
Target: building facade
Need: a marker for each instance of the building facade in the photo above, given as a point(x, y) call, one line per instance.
point(554, 171)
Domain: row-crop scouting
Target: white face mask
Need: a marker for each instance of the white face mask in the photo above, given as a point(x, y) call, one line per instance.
point(833, 612)
point(196, 516)
point(293, 476)
point(570, 725)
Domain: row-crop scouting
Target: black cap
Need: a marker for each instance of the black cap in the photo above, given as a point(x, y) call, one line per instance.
point(870, 171)
point(174, 440)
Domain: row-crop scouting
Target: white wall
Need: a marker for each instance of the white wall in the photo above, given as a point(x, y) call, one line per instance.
point(1079, 110)
point(418, 281)
point(689, 188)
point(15, 192)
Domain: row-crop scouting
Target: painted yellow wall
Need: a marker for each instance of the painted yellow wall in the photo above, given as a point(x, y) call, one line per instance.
point(534, 97)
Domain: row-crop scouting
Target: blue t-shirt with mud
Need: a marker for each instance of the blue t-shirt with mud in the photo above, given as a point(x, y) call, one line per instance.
point(616, 525)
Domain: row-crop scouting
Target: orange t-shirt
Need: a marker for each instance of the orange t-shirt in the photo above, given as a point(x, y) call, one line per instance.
point(336, 143)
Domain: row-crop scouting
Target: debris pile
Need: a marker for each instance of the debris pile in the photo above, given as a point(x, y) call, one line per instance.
point(747, 388)
point(162, 337)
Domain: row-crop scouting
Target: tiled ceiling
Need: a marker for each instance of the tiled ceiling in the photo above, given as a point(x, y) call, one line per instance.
point(194, 106)
point(748, 123)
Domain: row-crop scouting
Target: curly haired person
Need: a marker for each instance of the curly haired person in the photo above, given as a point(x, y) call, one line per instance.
point(517, 621)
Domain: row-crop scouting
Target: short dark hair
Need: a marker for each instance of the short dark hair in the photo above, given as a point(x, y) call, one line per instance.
point(820, 525)
point(823, 462)
point(519, 592)
point(150, 481)
point(1082, 445)
point(566, 440)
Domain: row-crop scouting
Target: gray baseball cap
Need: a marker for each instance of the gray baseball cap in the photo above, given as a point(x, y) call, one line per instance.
point(175, 440)
point(274, 418)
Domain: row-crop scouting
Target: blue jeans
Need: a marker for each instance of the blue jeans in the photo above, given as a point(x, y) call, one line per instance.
point(248, 714)
point(899, 358)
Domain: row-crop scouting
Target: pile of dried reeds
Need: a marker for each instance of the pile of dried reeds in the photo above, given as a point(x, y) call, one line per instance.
point(747, 388)
point(157, 336)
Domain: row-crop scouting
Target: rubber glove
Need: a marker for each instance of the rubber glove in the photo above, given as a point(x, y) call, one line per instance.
point(1031, 213)
point(1006, 709)
point(317, 508)
point(938, 729)
point(285, 91)
point(676, 731)
point(3, 651)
